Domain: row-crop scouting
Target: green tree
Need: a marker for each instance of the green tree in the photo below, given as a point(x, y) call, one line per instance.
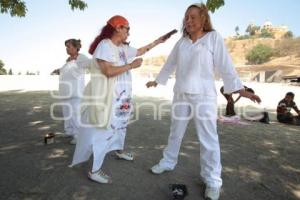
point(10, 72)
point(17, 8)
point(1, 64)
point(266, 34)
point(2, 70)
point(251, 29)
point(243, 37)
point(213, 5)
point(288, 35)
point(259, 54)
point(237, 29)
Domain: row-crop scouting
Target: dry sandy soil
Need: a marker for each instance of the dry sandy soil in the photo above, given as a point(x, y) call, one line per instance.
point(260, 161)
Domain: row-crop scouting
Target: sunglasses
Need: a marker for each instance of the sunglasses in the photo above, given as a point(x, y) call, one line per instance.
point(126, 27)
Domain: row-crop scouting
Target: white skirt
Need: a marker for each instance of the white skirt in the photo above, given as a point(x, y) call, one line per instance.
point(98, 142)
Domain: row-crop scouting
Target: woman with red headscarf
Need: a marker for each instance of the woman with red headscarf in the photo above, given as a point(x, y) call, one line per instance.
point(106, 105)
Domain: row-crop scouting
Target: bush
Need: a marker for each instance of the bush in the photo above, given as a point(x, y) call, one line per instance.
point(2, 70)
point(243, 37)
point(266, 34)
point(288, 35)
point(252, 29)
point(259, 54)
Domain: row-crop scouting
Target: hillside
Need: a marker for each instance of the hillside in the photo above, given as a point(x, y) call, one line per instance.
point(239, 48)
point(286, 57)
point(284, 63)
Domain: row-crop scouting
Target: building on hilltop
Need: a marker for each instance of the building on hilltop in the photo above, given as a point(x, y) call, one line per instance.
point(278, 31)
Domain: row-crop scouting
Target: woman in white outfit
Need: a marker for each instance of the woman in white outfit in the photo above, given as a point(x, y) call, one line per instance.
point(195, 57)
point(106, 114)
point(71, 86)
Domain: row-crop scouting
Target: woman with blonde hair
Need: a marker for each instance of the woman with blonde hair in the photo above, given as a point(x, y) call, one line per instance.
point(195, 57)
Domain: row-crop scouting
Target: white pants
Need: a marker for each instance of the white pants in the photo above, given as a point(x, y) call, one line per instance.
point(71, 113)
point(203, 110)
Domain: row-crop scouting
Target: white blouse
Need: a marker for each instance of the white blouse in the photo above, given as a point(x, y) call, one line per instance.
point(196, 63)
point(71, 78)
point(119, 56)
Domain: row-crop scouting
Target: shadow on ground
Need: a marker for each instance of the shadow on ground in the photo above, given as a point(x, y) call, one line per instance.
point(260, 161)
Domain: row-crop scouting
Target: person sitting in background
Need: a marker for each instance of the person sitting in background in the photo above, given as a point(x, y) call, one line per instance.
point(230, 101)
point(284, 108)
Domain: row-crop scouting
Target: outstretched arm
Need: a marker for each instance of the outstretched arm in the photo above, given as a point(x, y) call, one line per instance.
point(168, 68)
point(143, 50)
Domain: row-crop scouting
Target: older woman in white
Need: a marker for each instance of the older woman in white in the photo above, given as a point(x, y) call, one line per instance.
point(195, 57)
point(71, 86)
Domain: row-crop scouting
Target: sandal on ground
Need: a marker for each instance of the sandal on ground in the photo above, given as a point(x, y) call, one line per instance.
point(125, 156)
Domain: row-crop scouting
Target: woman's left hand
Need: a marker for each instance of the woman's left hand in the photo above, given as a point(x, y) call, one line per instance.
point(255, 98)
point(250, 96)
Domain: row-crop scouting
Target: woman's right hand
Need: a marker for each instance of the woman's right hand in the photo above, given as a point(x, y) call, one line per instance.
point(151, 84)
point(136, 63)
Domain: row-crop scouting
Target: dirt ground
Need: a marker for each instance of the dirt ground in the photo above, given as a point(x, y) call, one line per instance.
point(260, 161)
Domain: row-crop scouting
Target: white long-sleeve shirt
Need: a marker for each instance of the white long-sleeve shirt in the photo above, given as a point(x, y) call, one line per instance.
point(71, 78)
point(196, 63)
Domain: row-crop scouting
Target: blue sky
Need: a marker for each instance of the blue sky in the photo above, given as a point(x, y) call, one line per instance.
point(36, 42)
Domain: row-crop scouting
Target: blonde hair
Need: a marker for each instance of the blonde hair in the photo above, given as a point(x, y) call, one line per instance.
point(75, 43)
point(203, 12)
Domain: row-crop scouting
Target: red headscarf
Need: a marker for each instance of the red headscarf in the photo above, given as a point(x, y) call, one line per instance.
point(117, 20)
point(108, 30)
